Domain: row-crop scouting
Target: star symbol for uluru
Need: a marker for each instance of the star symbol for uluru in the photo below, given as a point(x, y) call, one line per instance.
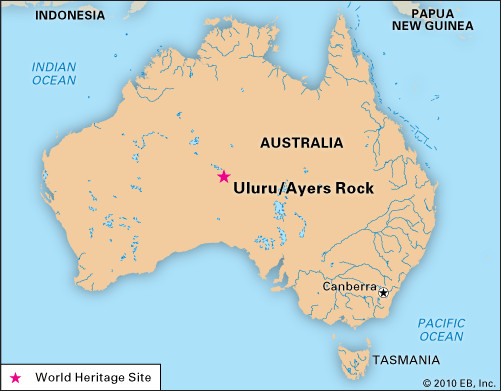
point(223, 177)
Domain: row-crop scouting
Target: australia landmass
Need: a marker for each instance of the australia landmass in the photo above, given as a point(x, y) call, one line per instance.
point(181, 161)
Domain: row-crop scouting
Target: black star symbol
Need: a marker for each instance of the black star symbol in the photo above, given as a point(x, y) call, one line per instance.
point(383, 292)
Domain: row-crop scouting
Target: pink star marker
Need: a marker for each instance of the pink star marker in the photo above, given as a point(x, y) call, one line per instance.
point(223, 177)
point(15, 378)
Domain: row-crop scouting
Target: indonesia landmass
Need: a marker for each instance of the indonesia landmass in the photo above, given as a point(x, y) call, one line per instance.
point(159, 176)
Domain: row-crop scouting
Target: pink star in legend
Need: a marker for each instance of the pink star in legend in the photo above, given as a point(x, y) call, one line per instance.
point(15, 378)
point(223, 177)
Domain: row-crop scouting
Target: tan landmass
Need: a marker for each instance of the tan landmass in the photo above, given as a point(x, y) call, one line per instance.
point(406, 7)
point(134, 7)
point(55, 3)
point(34, 3)
point(17, 3)
point(354, 364)
point(211, 22)
point(87, 8)
point(143, 184)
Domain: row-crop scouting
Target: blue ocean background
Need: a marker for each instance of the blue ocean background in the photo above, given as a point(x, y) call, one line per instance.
point(206, 315)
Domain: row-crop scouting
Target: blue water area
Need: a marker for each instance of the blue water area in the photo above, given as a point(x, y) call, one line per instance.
point(279, 210)
point(265, 243)
point(206, 315)
point(301, 233)
point(283, 236)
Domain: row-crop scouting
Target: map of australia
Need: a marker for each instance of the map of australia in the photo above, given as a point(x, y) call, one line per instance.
point(227, 147)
